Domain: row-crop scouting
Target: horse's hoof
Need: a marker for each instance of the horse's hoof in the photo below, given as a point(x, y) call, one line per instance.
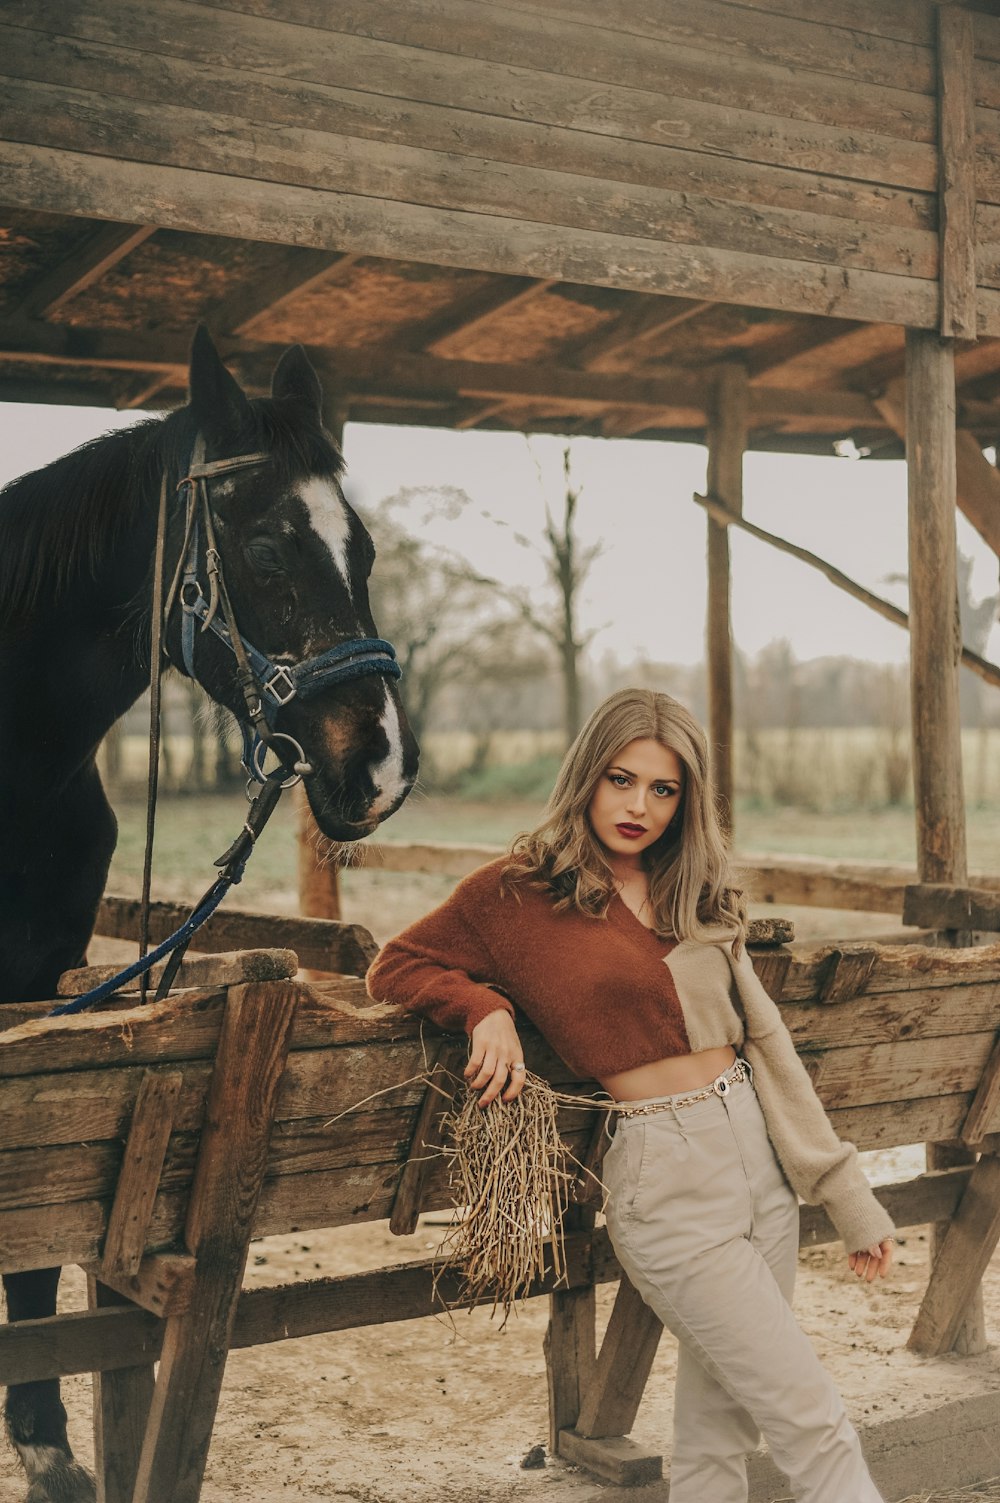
point(62, 1481)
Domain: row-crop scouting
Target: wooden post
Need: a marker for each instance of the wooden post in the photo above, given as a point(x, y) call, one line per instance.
point(319, 884)
point(935, 645)
point(727, 439)
point(570, 1342)
point(232, 1158)
point(121, 1408)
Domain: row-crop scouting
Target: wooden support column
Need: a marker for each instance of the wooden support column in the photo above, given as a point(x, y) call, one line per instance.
point(319, 881)
point(727, 439)
point(935, 645)
point(121, 1409)
point(232, 1158)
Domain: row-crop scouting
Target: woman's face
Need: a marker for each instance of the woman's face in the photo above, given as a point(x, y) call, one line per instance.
point(636, 798)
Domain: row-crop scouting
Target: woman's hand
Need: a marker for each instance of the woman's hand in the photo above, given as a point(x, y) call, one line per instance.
point(495, 1049)
point(873, 1262)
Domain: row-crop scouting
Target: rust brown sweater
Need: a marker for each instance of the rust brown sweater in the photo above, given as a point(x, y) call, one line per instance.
point(608, 995)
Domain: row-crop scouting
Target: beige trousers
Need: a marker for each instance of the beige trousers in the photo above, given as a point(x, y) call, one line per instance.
point(706, 1227)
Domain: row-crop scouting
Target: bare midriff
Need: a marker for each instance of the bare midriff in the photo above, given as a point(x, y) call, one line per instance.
point(666, 1077)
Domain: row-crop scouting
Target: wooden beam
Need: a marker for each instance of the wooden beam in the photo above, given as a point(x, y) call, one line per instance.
point(232, 1157)
point(942, 906)
point(347, 949)
point(468, 314)
point(67, 180)
point(957, 171)
point(982, 667)
point(935, 649)
point(105, 249)
point(935, 639)
point(727, 440)
point(121, 1409)
point(285, 274)
point(960, 1262)
point(611, 1401)
point(977, 483)
point(139, 1179)
point(444, 1081)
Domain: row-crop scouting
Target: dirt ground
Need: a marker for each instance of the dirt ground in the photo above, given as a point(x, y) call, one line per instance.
point(419, 1413)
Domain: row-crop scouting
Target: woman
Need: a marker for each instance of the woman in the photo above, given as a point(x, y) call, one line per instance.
point(613, 927)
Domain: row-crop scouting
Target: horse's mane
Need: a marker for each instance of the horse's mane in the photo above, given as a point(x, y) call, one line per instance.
point(59, 523)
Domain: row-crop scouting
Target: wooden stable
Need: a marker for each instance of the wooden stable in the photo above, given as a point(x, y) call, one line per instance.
point(149, 1144)
point(760, 224)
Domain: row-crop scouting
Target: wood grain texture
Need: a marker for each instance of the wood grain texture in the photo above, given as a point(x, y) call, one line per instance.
point(935, 636)
point(962, 1257)
point(611, 1400)
point(727, 439)
point(122, 1397)
point(218, 1223)
point(957, 159)
point(139, 1177)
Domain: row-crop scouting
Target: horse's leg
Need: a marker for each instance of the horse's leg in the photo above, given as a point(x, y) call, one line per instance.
point(36, 1419)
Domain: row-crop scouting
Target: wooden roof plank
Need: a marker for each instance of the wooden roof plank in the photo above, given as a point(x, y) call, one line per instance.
point(673, 97)
point(563, 146)
point(109, 245)
point(78, 120)
point(76, 182)
point(565, 35)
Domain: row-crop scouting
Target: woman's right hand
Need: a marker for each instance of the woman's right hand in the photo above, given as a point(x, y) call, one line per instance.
point(495, 1048)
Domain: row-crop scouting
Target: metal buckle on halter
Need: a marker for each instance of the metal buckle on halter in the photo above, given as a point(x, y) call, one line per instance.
point(281, 685)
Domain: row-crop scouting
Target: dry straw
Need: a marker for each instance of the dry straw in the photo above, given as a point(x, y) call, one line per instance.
point(511, 1171)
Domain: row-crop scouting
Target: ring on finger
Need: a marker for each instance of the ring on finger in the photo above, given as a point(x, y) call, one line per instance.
point(518, 1065)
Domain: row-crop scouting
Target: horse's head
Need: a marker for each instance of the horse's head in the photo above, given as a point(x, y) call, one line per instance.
point(295, 560)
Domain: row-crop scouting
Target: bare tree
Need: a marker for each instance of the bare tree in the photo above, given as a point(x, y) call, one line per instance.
point(567, 564)
point(449, 624)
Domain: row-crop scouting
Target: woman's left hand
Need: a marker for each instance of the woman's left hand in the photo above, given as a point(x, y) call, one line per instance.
point(873, 1262)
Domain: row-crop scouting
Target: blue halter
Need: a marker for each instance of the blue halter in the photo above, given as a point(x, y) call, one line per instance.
point(267, 686)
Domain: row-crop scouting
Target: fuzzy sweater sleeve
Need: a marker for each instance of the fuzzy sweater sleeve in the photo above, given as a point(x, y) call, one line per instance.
point(821, 1168)
point(441, 966)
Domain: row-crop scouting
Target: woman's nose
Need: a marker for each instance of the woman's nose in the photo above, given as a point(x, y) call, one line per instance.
point(637, 801)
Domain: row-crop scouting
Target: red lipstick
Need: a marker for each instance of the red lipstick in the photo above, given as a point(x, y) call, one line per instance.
point(630, 832)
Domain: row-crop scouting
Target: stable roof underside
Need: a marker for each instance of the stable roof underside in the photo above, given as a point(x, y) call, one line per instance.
point(540, 215)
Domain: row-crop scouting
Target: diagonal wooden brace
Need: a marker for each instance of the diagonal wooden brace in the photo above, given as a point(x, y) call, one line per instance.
point(612, 1398)
point(445, 1079)
point(984, 1102)
point(142, 1164)
point(961, 1262)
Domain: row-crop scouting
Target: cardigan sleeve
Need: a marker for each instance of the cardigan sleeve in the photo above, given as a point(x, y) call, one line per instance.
point(441, 967)
point(821, 1168)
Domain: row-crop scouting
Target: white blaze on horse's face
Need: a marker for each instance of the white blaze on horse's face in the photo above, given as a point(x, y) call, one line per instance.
point(329, 519)
point(387, 775)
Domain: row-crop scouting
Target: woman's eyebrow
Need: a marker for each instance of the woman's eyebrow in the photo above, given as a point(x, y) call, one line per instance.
point(616, 767)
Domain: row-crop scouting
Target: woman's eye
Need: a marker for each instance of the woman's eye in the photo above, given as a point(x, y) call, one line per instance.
point(663, 790)
point(619, 779)
point(265, 556)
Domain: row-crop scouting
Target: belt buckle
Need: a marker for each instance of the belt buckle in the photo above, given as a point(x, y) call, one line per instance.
point(720, 1085)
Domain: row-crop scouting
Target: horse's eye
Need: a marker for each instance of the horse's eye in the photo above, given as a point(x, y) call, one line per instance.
point(265, 556)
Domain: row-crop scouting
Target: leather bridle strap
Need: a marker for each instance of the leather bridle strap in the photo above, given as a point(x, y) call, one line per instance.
point(153, 769)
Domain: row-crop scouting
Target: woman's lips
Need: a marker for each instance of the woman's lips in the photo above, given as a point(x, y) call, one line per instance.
point(630, 832)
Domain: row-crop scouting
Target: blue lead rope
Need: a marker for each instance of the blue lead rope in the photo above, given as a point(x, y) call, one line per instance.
point(181, 936)
point(233, 863)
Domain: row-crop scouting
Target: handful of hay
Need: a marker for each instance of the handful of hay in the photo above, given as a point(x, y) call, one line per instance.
point(509, 1168)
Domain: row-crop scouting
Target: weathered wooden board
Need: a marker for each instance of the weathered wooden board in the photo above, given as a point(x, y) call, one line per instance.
point(571, 147)
point(347, 948)
point(494, 60)
point(70, 182)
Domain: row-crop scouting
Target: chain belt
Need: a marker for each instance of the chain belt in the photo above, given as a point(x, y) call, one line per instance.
point(720, 1086)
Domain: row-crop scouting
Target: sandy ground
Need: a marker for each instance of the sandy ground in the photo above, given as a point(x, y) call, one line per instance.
point(420, 1413)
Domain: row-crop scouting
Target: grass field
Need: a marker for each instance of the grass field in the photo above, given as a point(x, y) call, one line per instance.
point(191, 832)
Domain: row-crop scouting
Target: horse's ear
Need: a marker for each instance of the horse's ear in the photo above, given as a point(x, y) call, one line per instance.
point(217, 399)
point(295, 378)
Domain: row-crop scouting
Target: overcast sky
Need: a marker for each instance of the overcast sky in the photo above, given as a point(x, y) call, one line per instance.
point(647, 590)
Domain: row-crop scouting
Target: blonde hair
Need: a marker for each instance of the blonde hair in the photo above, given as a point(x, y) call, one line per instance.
point(690, 882)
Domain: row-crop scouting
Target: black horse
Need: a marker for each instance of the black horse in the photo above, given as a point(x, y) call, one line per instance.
point(77, 547)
